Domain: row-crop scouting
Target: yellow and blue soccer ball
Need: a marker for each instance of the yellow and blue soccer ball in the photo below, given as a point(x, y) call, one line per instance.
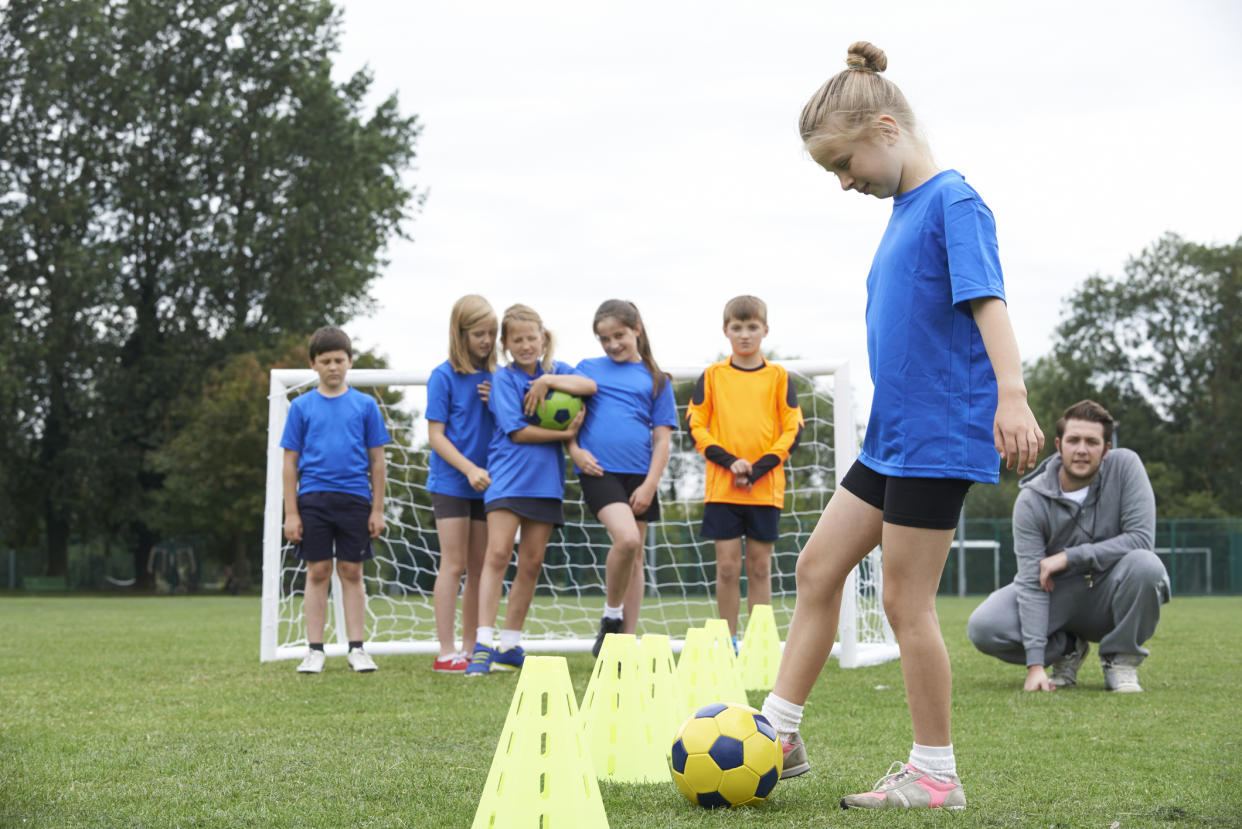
point(556, 411)
point(726, 755)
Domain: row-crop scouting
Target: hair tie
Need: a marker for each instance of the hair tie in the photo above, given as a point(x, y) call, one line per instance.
point(852, 68)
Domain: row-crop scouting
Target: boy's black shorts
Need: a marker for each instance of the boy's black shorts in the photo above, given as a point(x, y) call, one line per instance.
point(616, 487)
point(454, 506)
point(926, 503)
point(725, 521)
point(334, 523)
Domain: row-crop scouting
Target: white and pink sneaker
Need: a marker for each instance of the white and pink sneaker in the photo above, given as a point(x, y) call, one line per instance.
point(905, 787)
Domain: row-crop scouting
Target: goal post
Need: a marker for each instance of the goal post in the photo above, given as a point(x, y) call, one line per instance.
point(679, 571)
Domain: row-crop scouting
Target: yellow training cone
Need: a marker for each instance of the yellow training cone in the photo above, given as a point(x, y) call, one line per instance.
point(731, 680)
point(759, 657)
point(541, 774)
point(614, 717)
point(661, 690)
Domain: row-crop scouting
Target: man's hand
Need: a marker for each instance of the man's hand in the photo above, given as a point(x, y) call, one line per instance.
point(1050, 566)
point(1037, 679)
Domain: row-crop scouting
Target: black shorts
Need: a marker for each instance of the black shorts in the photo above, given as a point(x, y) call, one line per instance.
point(454, 506)
point(547, 510)
point(725, 521)
point(616, 488)
point(334, 524)
point(926, 503)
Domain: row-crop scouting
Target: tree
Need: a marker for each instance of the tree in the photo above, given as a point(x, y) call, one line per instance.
point(184, 182)
point(1160, 348)
point(1163, 346)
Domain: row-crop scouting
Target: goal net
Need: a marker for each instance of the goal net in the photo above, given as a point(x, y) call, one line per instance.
point(679, 571)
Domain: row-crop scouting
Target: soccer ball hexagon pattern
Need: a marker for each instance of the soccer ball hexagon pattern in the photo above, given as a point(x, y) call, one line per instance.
point(726, 754)
point(557, 410)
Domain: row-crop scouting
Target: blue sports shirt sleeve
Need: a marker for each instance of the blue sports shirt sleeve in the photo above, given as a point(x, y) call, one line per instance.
point(972, 250)
point(294, 435)
point(439, 397)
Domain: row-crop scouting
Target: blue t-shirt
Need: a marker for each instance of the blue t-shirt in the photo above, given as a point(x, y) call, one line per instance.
point(935, 391)
point(332, 436)
point(521, 470)
point(618, 424)
point(453, 399)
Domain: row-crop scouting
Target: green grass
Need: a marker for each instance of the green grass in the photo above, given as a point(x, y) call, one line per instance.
point(156, 712)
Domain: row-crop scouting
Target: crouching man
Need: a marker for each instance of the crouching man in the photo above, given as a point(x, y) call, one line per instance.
point(1084, 526)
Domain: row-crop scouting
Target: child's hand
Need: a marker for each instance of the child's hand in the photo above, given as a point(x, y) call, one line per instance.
point(484, 389)
point(293, 528)
point(376, 523)
point(641, 498)
point(479, 479)
point(585, 461)
point(741, 470)
point(1016, 433)
point(574, 425)
point(539, 388)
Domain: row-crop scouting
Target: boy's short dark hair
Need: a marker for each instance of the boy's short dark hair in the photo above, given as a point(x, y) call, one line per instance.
point(1091, 412)
point(328, 339)
point(746, 307)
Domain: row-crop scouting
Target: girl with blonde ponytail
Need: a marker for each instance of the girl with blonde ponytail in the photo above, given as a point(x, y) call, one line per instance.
point(949, 405)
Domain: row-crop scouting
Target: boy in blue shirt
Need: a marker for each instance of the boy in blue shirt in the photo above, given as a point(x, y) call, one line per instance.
point(334, 436)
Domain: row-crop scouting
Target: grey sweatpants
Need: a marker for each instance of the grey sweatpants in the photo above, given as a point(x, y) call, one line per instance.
point(1120, 611)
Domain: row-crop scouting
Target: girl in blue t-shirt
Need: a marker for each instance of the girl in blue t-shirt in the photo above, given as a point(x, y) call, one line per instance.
point(459, 427)
point(621, 452)
point(949, 403)
point(527, 467)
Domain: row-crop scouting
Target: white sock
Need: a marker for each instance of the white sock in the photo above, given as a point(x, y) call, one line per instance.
point(611, 612)
point(484, 636)
point(510, 639)
point(783, 714)
point(937, 762)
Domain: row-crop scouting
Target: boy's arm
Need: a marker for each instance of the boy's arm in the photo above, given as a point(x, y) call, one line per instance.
point(790, 414)
point(293, 518)
point(698, 416)
point(379, 480)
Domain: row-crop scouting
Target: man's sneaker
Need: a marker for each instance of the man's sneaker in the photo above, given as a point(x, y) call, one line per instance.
point(480, 660)
point(1121, 672)
point(509, 660)
point(606, 626)
point(360, 661)
point(795, 762)
point(313, 663)
point(1063, 672)
point(454, 663)
point(905, 787)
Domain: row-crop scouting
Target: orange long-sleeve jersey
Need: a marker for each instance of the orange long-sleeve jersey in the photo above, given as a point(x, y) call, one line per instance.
point(751, 414)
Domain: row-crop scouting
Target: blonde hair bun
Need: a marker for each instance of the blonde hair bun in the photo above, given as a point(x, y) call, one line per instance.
point(867, 56)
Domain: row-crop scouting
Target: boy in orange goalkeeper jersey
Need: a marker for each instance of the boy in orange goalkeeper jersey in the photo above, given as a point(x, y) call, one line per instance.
point(745, 419)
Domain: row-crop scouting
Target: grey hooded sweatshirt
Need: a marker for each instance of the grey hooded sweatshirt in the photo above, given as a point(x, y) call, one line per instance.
point(1118, 515)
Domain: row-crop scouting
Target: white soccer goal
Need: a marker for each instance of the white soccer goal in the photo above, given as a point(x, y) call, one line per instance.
point(680, 567)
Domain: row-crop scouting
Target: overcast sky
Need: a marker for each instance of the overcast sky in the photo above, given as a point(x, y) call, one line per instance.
point(577, 151)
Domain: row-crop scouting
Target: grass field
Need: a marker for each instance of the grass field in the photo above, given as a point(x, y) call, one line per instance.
point(156, 712)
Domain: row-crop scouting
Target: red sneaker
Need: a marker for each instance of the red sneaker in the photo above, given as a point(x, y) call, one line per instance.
point(454, 663)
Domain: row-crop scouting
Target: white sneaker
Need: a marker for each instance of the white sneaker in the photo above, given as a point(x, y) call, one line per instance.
point(360, 661)
point(313, 663)
point(1121, 672)
point(1063, 672)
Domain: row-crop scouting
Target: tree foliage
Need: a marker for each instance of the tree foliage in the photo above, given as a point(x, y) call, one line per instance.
point(182, 181)
point(1160, 348)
